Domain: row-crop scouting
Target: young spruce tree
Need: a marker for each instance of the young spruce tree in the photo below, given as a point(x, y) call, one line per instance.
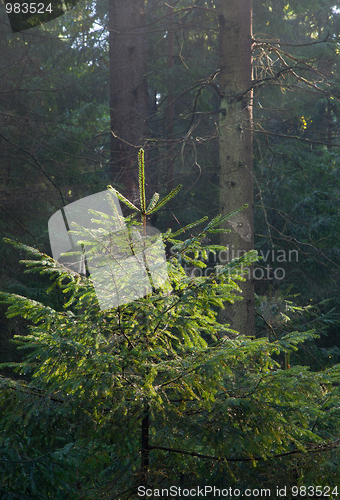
point(154, 392)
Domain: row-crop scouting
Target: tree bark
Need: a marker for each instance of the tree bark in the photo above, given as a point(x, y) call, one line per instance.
point(235, 142)
point(128, 90)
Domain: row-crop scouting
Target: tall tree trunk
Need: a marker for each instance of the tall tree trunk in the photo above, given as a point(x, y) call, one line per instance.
point(128, 89)
point(235, 141)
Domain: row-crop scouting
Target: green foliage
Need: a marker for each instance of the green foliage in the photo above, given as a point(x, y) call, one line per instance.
point(74, 431)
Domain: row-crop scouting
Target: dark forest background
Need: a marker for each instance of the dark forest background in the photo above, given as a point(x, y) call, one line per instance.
point(57, 88)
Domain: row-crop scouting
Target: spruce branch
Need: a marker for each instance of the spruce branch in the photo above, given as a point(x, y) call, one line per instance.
point(153, 202)
point(123, 199)
point(141, 180)
point(165, 200)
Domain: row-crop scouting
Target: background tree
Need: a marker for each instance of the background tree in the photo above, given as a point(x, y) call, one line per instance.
point(235, 146)
point(128, 89)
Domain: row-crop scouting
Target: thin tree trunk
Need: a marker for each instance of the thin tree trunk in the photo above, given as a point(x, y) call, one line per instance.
point(235, 141)
point(128, 90)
